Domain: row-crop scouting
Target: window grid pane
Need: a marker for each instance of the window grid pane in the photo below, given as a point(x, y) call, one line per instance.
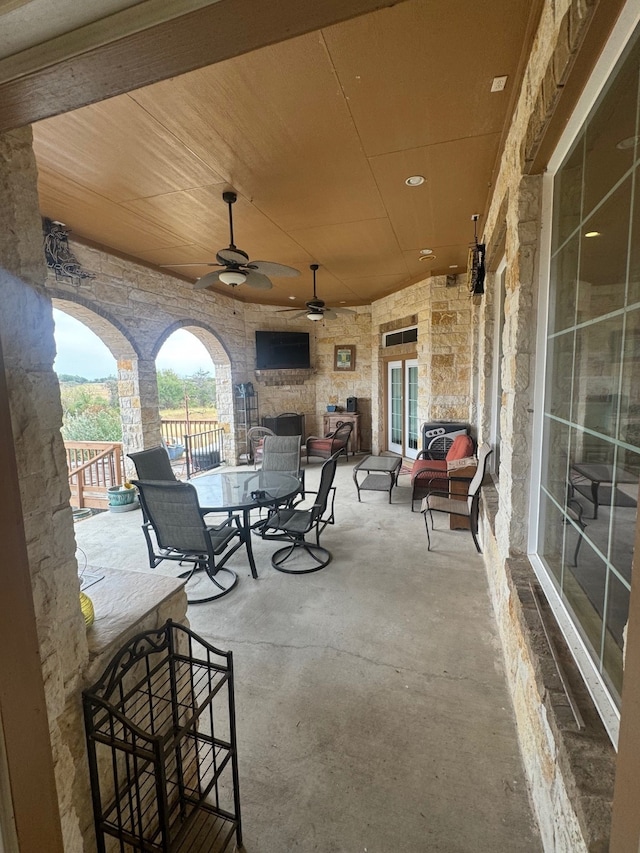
point(591, 436)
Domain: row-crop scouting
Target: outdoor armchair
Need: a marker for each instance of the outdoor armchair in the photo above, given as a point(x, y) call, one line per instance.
point(333, 443)
point(428, 474)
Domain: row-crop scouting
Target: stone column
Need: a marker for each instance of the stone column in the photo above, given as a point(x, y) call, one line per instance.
point(26, 333)
point(519, 340)
point(138, 393)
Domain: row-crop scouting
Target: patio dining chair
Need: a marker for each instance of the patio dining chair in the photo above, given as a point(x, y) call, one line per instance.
point(293, 523)
point(153, 464)
point(174, 529)
point(437, 501)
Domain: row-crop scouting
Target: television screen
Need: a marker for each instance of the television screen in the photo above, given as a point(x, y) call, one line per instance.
point(278, 350)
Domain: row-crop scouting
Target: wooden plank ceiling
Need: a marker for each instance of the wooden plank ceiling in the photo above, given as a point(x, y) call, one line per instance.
point(317, 135)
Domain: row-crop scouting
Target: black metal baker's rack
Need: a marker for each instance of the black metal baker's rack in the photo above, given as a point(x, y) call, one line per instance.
point(161, 738)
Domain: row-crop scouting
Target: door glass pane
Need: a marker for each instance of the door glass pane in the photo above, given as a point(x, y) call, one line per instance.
point(413, 429)
point(396, 405)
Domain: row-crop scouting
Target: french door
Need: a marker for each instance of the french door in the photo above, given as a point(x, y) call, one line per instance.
point(403, 431)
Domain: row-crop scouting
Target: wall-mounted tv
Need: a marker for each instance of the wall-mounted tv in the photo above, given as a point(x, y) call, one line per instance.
point(281, 350)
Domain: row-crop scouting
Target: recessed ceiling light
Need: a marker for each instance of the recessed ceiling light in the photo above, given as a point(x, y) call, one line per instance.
point(427, 258)
point(426, 251)
point(629, 142)
point(343, 302)
point(592, 234)
point(498, 84)
point(292, 297)
point(453, 266)
point(414, 180)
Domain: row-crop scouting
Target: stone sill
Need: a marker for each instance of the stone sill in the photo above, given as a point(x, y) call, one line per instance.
point(586, 757)
point(286, 376)
point(126, 603)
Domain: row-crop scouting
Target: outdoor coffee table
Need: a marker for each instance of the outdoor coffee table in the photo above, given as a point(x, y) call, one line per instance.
point(381, 474)
point(600, 473)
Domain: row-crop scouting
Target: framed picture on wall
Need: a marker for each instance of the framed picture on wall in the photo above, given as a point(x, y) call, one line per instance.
point(344, 358)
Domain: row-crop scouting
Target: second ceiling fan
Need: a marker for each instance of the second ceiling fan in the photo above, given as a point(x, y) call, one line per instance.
point(316, 308)
point(235, 266)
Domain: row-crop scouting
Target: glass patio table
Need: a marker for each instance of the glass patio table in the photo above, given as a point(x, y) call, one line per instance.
point(244, 490)
point(598, 473)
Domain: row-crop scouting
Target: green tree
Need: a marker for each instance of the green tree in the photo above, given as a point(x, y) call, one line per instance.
point(101, 425)
point(171, 389)
point(201, 388)
point(80, 399)
point(76, 380)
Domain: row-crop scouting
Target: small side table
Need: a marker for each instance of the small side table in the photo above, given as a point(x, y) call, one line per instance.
point(382, 474)
point(459, 488)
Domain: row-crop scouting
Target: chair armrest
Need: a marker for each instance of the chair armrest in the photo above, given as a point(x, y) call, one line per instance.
point(440, 494)
point(424, 454)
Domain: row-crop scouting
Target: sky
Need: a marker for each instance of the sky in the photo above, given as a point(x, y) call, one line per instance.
point(81, 353)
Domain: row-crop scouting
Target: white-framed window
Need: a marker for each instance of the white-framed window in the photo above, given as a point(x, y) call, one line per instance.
point(584, 494)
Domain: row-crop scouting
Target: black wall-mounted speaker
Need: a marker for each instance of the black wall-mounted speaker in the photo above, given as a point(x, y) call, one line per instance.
point(352, 404)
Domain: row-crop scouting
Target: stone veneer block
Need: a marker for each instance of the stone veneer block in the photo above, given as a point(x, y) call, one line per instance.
point(123, 602)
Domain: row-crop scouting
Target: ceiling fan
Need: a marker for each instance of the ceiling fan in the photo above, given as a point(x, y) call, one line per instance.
point(236, 268)
point(316, 309)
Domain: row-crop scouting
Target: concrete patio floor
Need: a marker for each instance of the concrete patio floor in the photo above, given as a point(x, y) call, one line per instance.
point(373, 713)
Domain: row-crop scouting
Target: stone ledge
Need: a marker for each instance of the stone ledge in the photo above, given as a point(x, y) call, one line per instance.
point(125, 603)
point(285, 376)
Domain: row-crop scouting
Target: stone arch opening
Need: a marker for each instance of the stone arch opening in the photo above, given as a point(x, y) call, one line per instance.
point(137, 389)
point(221, 359)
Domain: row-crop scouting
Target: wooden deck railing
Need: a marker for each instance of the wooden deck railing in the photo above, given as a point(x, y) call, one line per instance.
point(93, 467)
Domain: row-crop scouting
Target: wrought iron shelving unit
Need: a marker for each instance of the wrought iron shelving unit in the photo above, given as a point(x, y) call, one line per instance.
point(161, 738)
point(246, 410)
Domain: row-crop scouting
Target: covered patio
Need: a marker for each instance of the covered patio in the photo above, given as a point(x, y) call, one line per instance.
point(412, 684)
point(372, 704)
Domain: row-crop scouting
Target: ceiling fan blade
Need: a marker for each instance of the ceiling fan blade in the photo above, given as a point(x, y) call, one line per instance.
point(207, 280)
point(286, 310)
point(270, 268)
point(343, 311)
point(232, 256)
point(329, 314)
point(257, 280)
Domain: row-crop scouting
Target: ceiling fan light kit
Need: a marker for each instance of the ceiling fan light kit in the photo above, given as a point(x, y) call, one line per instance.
point(232, 277)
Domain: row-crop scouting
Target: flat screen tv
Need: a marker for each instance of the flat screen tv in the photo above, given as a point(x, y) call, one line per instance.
point(280, 350)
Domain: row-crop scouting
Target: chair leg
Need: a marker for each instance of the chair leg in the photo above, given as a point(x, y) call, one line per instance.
point(473, 524)
point(224, 580)
point(426, 524)
point(316, 552)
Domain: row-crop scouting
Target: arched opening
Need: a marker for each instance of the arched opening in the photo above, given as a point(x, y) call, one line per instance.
point(194, 381)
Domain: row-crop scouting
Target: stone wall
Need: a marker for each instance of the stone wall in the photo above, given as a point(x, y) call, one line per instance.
point(572, 805)
point(26, 330)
